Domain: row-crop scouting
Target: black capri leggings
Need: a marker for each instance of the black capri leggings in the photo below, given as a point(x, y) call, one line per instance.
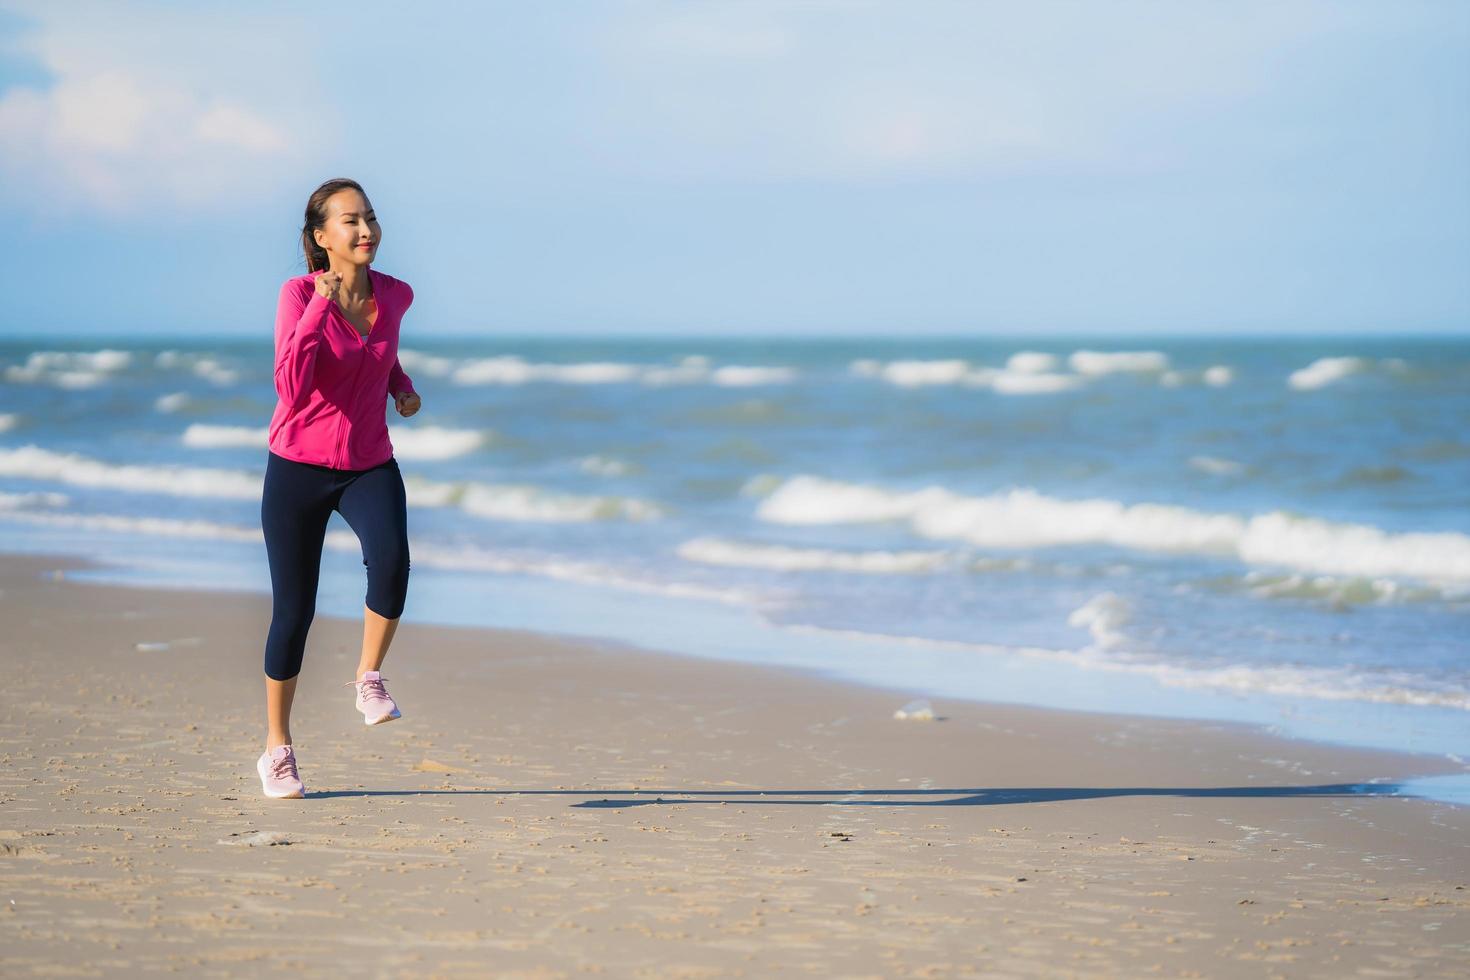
point(295, 506)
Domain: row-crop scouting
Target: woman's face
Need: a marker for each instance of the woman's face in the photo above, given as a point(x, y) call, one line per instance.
point(351, 232)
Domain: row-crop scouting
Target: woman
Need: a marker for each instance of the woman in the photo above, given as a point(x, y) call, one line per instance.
point(336, 359)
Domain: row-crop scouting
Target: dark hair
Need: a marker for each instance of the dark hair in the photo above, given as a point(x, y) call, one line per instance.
point(316, 216)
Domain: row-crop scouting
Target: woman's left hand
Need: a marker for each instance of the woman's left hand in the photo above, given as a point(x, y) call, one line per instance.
point(407, 403)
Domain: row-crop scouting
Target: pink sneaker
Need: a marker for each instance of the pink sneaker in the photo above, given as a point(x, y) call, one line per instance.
point(278, 778)
point(373, 699)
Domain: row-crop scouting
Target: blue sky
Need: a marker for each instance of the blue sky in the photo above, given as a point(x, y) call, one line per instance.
point(750, 168)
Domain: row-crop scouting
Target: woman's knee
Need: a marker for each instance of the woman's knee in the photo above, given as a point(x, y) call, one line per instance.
point(387, 570)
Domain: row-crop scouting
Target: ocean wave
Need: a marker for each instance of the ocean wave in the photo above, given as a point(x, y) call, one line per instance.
point(34, 498)
point(1096, 362)
point(1336, 591)
point(510, 502)
point(105, 361)
point(419, 362)
point(202, 436)
point(1104, 616)
point(510, 369)
point(1325, 371)
point(719, 551)
point(1029, 377)
point(35, 463)
point(1023, 518)
point(150, 526)
point(604, 465)
point(428, 442)
point(1318, 683)
point(215, 372)
point(171, 402)
point(1216, 376)
point(71, 380)
point(470, 558)
point(500, 502)
point(424, 555)
point(1031, 362)
point(1027, 383)
point(432, 442)
point(913, 373)
point(72, 370)
point(742, 376)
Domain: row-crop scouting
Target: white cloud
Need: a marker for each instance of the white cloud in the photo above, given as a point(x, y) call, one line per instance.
point(768, 89)
point(171, 107)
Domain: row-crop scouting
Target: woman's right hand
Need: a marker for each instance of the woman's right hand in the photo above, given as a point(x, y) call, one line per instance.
point(328, 283)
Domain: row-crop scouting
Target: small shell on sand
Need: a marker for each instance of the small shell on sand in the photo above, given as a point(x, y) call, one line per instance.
point(915, 711)
point(260, 838)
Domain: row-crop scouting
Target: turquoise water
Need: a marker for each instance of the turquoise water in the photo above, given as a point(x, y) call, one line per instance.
point(1266, 531)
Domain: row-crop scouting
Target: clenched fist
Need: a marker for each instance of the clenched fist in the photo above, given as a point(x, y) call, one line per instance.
point(328, 284)
point(407, 403)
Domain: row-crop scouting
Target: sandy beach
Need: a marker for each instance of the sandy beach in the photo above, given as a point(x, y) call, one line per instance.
point(556, 808)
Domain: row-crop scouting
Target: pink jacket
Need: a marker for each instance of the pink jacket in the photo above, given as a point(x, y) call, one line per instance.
point(332, 381)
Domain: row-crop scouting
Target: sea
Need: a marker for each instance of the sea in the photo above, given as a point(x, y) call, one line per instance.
point(1261, 530)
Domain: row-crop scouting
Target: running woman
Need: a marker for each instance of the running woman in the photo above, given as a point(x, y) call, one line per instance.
point(336, 360)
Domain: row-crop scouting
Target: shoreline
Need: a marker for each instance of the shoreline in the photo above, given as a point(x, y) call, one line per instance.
point(936, 670)
point(561, 806)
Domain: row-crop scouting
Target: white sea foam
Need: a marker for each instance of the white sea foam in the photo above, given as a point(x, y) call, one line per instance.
point(1031, 362)
point(35, 463)
point(202, 436)
point(1354, 549)
point(171, 402)
point(1104, 616)
point(1216, 376)
point(693, 369)
point(1324, 371)
point(214, 371)
point(469, 558)
point(510, 369)
point(418, 362)
point(21, 501)
point(1029, 379)
point(913, 374)
point(511, 502)
point(77, 380)
point(1038, 383)
point(1329, 684)
point(104, 361)
point(52, 370)
point(1094, 362)
point(151, 526)
point(1023, 518)
point(1340, 591)
point(719, 551)
point(603, 466)
point(432, 442)
point(501, 502)
point(513, 370)
point(423, 554)
point(739, 376)
point(425, 443)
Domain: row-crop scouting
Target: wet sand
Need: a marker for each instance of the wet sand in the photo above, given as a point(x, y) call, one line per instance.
point(551, 807)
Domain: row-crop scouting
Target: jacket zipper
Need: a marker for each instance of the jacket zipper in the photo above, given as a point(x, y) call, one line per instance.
point(351, 402)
